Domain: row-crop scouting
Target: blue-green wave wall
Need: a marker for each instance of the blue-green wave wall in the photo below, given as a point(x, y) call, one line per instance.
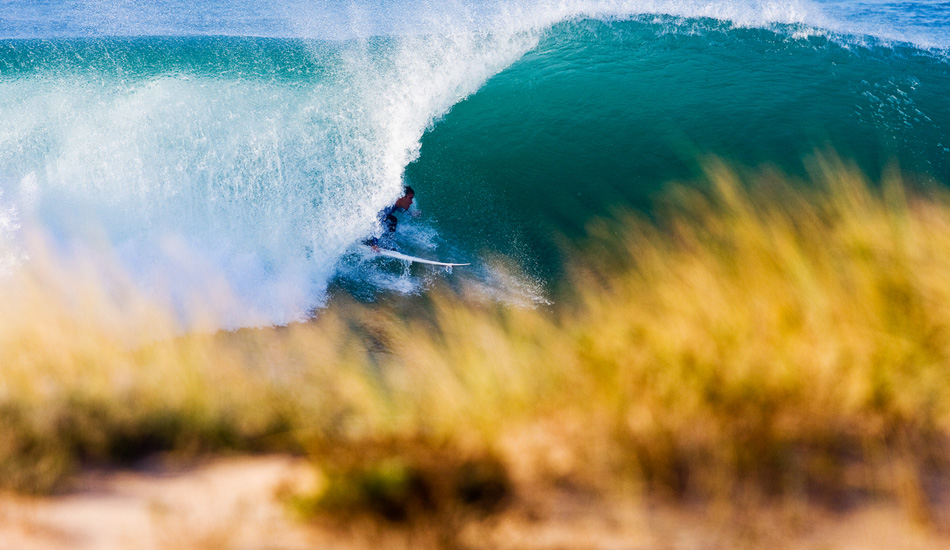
point(604, 114)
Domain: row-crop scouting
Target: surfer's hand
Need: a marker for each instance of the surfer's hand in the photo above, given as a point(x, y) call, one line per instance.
point(375, 248)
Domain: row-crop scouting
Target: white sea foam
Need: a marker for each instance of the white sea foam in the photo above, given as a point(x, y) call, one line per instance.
point(9, 225)
point(199, 183)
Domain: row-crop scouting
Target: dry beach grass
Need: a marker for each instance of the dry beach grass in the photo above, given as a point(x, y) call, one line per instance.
point(758, 342)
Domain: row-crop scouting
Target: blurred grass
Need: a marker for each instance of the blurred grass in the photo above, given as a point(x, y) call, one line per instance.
point(756, 338)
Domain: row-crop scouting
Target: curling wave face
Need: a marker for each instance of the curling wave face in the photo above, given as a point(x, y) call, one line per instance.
point(603, 114)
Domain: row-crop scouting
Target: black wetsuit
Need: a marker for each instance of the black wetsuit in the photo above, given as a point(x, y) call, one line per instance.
point(388, 219)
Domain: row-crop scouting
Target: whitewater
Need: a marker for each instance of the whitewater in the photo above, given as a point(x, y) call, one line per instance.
point(244, 148)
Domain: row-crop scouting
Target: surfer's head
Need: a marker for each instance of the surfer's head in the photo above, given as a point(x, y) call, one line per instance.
point(405, 201)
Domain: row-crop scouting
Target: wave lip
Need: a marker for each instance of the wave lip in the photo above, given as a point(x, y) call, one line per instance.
point(925, 23)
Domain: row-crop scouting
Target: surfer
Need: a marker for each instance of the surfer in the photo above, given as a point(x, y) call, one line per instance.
point(387, 216)
point(402, 204)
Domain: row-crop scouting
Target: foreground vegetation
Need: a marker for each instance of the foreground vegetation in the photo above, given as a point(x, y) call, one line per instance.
point(758, 339)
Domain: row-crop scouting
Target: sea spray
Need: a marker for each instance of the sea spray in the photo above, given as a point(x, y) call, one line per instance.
point(8, 248)
point(192, 164)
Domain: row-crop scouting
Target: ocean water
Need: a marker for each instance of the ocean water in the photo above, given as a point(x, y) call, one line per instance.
point(248, 145)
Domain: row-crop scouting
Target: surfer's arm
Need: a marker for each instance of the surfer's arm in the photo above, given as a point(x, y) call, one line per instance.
point(373, 243)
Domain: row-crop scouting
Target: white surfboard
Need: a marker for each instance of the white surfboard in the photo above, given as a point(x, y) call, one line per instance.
point(415, 259)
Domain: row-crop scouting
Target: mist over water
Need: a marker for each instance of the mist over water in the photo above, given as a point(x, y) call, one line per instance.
point(249, 145)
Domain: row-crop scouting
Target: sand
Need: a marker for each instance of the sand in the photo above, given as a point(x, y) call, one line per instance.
point(238, 503)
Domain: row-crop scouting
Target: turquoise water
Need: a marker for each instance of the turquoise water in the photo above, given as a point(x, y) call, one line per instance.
point(604, 114)
point(249, 145)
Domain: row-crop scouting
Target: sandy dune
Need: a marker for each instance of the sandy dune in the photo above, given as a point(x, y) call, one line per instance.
point(232, 503)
